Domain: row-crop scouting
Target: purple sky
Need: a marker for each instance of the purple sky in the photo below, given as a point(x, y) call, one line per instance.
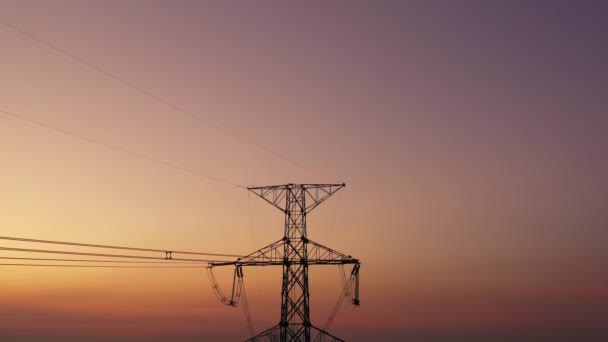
point(471, 135)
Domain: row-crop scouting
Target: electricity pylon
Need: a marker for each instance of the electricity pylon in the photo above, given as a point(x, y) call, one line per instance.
point(294, 252)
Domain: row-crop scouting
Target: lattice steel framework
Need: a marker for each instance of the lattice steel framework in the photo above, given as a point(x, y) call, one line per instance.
point(295, 252)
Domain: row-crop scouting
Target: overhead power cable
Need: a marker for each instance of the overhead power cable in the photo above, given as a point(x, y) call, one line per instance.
point(46, 251)
point(104, 261)
point(96, 266)
point(118, 148)
point(163, 100)
point(54, 242)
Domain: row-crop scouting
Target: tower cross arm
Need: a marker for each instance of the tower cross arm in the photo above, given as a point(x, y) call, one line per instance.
point(315, 194)
point(273, 194)
point(318, 193)
point(273, 255)
point(321, 255)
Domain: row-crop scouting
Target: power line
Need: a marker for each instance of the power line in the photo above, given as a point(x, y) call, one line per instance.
point(118, 148)
point(164, 101)
point(102, 261)
point(96, 266)
point(10, 238)
point(29, 250)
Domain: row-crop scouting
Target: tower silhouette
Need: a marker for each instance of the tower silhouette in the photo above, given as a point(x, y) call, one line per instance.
point(294, 252)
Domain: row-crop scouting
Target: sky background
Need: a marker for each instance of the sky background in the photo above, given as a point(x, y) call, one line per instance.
point(471, 136)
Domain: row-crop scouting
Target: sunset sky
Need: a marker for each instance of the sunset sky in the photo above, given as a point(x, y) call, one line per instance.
point(472, 137)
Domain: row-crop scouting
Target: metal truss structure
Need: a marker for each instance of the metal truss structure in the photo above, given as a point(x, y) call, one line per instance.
point(294, 252)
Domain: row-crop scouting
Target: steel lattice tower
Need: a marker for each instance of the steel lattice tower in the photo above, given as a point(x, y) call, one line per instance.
point(295, 252)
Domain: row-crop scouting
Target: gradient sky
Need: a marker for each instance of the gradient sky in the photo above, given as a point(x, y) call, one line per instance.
point(471, 135)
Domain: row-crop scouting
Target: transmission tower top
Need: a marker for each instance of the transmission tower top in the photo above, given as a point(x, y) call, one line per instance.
point(294, 252)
